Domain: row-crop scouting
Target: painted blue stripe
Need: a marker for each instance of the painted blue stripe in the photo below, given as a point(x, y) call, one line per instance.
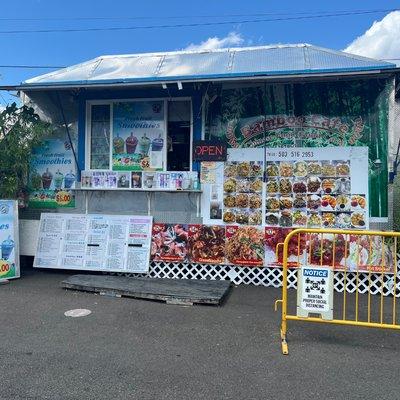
point(81, 135)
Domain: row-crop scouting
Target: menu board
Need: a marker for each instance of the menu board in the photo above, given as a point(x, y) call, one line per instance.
point(317, 188)
point(9, 254)
point(114, 243)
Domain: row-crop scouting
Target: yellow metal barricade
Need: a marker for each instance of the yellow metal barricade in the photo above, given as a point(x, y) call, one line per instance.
point(368, 255)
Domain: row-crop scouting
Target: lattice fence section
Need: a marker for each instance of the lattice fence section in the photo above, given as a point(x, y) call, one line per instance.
point(270, 276)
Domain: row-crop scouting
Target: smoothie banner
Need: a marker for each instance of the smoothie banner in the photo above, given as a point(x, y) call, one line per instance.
point(138, 136)
point(9, 254)
point(52, 175)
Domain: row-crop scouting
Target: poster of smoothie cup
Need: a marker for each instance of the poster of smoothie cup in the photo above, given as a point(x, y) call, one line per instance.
point(138, 135)
point(9, 254)
point(52, 175)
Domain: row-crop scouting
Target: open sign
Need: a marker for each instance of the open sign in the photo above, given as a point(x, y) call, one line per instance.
point(209, 150)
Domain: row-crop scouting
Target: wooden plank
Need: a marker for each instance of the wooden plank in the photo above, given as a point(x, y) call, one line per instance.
point(172, 291)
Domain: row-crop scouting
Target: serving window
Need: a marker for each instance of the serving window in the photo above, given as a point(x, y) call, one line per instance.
point(139, 135)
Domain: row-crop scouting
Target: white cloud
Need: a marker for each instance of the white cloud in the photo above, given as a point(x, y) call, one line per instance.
point(233, 39)
point(381, 40)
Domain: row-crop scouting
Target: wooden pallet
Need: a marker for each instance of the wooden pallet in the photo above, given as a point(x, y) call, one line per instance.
point(172, 291)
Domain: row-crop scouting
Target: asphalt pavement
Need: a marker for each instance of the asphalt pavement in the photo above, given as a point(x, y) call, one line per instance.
point(136, 349)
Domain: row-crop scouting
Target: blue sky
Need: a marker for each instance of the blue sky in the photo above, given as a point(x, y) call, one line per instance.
point(71, 48)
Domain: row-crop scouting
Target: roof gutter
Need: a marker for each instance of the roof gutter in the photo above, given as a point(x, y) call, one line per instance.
point(210, 78)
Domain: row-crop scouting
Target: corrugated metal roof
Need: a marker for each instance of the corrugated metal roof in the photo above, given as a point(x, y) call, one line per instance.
point(209, 64)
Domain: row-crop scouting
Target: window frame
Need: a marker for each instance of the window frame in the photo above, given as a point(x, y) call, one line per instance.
point(110, 102)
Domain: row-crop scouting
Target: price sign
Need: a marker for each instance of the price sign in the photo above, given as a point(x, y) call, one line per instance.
point(4, 267)
point(63, 198)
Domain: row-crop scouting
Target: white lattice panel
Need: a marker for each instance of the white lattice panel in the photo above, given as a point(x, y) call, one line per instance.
point(270, 276)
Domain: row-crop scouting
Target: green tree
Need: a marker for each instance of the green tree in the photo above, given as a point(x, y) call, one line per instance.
point(21, 129)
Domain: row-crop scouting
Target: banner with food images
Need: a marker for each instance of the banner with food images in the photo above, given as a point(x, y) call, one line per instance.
point(244, 245)
point(207, 244)
point(169, 242)
point(138, 141)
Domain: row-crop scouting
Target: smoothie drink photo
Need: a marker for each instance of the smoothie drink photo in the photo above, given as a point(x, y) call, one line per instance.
point(131, 143)
point(7, 248)
point(47, 178)
point(69, 180)
point(58, 179)
point(118, 144)
point(144, 145)
point(157, 144)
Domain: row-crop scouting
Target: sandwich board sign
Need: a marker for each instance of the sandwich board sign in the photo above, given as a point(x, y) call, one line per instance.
point(315, 292)
point(9, 239)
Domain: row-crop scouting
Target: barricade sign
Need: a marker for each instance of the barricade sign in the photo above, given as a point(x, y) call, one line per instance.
point(315, 292)
point(366, 261)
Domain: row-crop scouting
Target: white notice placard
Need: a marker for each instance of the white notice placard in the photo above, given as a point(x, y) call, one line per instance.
point(114, 243)
point(315, 292)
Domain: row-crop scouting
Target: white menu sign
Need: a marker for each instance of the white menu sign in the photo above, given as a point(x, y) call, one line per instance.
point(114, 243)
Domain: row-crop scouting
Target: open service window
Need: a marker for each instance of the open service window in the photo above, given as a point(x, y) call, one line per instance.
point(139, 135)
point(179, 135)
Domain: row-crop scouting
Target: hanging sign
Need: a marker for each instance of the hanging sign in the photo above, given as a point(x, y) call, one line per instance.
point(209, 150)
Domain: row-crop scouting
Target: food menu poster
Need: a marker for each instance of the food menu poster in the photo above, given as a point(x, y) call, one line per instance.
point(113, 243)
point(317, 188)
point(9, 254)
point(139, 135)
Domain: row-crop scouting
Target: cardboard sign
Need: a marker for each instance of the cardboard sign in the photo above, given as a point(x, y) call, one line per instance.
point(209, 150)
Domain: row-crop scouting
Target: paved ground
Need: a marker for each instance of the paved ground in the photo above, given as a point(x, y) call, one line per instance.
point(133, 349)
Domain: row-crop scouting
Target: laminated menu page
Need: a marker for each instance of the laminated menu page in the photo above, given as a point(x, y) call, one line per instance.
point(115, 243)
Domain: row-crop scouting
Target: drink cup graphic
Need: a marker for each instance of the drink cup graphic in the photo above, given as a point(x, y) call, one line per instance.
point(58, 179)
point(136, 180)
point(118, 144)
point(47, 177)
point(131, 143)
point(157, 144)
point(6, 248)
point(144, 145)
point(149, 181)
point(69, 180)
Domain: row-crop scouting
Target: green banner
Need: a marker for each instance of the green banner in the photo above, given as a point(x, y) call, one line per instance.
point(320, 114)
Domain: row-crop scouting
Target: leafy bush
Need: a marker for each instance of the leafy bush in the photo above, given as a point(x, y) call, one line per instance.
point(20, 131)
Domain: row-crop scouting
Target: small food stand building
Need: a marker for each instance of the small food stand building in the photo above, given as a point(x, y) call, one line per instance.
point(310, 141)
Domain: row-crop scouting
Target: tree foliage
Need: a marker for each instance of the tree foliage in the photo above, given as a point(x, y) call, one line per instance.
point(20, 131)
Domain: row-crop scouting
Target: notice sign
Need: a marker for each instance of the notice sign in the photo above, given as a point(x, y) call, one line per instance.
point(315, 292)
point(113, 243)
